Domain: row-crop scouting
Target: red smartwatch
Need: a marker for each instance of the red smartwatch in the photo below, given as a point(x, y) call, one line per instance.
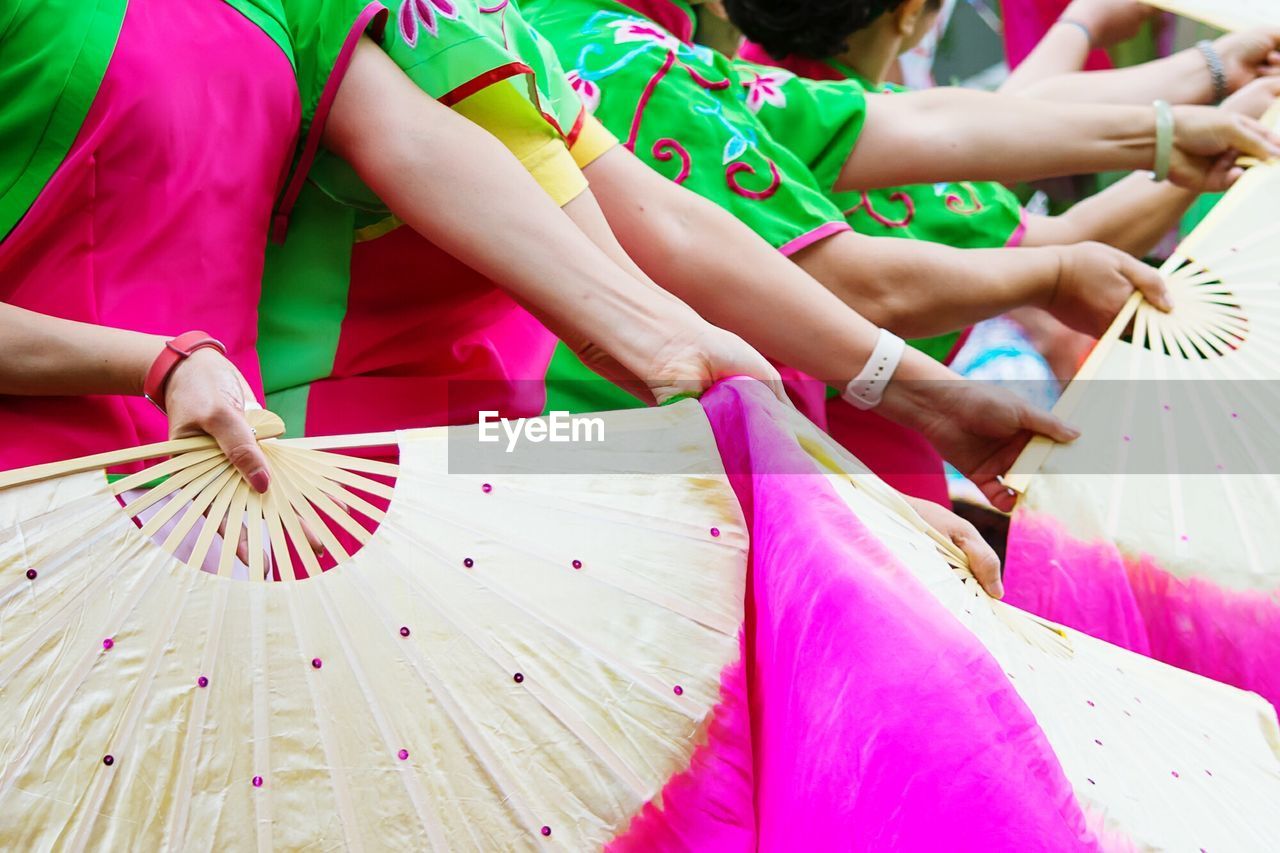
point(175, 351)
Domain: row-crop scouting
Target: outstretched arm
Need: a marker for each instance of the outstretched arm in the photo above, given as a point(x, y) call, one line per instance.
point(701, 253)
point(722, 268)
point(1183, 78)
point(1053, 69)
point(458, 186)
point(1135, 214)
point(1084, 25)
point(959, 134)
point(46, 356)
point(919, 289)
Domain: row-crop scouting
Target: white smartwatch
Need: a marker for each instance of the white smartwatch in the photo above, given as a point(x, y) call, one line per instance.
point(867, 388)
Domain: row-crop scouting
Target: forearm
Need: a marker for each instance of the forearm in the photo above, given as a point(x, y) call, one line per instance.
point(918, 289)
point(458, 186)
point(1133, 215)
point(45, 356)
point(732, 277)
point(1179, 79)
point(954, 134)
point(1063, 50)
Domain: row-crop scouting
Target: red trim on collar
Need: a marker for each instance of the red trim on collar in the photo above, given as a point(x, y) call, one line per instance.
point(665, 14)
point(813, 69)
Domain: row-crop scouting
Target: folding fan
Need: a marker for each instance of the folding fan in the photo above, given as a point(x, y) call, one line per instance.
point(510, 660)
point(1227, 15)
point(1125, 728)
point(1158, 528)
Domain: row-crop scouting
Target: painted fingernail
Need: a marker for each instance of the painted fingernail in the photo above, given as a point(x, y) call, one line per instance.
point(259, 480)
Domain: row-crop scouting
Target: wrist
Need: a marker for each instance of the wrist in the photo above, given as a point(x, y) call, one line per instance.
point(911, 400)
point(1219, 84)
point(171, 356)
point(139, 353)
point(1058, 260)
point(1081, 26)
point(650, 337)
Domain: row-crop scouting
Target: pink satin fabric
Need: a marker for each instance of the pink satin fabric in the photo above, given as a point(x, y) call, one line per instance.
point(865, 717)
point(157, 220)
point(1191, 623)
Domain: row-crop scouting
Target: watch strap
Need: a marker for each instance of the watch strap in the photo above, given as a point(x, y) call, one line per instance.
point(175, 352)
point(866, 390)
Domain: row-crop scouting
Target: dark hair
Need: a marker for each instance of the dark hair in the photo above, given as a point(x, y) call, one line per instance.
point(816, 29)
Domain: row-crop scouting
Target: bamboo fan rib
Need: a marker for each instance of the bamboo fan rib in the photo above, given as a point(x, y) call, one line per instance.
point(1224, 14)
point(1159, 758)
point(1180, 411)
point(510, 660)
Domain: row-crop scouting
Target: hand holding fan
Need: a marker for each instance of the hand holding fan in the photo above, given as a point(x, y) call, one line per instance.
point(1157, 529)
point(511, 660)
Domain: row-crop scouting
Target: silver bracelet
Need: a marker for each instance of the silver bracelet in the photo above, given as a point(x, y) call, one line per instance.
point(1217, 70)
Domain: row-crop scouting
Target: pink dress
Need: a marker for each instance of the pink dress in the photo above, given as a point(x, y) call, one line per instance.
point(157, 219)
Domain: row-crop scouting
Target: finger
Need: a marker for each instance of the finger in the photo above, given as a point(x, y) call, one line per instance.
point(1149, 283)
point(779, 390)
point(1040, 422)
point(1251, 137)
point(317, 547)
point(1220, 177)
point(232, 432)
point(675, 390)
point(1000, 497)
point(983, 562)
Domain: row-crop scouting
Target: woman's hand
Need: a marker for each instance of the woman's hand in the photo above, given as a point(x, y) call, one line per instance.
point(978, 427)
point(206, 394)
point(1095, 281)
point(1207, 142)
point(1248, 55)
point(697, 357)
point(1254, 99)
point(692, 358)
point(983, 561)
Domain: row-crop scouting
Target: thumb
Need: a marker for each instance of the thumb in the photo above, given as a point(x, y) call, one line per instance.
point(1043, 423)
point(1148, 282)
point(238, 442)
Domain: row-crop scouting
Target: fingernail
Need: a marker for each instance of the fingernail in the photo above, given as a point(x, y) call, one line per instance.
point(259, 480)
point(997, 590)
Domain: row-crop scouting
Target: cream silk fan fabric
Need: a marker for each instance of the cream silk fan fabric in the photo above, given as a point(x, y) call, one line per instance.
point(510, 661)
point(1127, 730)
point(1225, 14)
